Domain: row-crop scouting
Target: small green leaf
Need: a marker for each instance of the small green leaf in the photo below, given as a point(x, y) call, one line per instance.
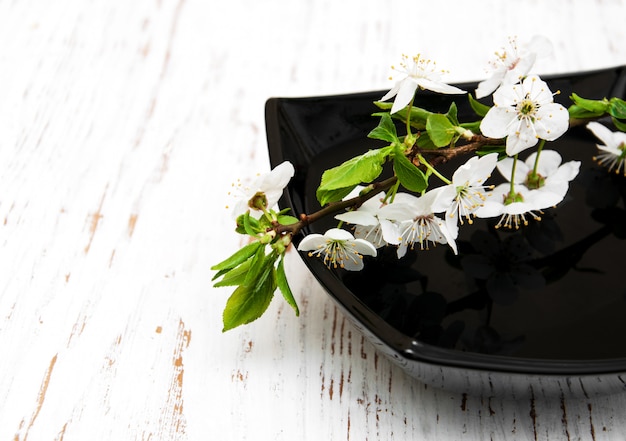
point(385, 131)
point(621, 125)
point(286, 220)
point(617, 108)
point(424, 142)
point(239, 257)
point(249, 302)
point(283, 285)
point(235, 276)
point(453, 114)
point(411, 177)
point(597, 107)
point(327, 196)
point(418, 116)
point(578, 112)
point(251, 225)
point(363, 168)
point(440, 129)
point(479, 108)
point(473, 126)
point(342, 179)
point(256, 266)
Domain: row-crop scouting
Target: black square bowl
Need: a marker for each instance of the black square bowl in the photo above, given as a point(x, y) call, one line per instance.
point(438, 321)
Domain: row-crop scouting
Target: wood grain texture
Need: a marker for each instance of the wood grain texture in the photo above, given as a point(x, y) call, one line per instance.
point(122, 125)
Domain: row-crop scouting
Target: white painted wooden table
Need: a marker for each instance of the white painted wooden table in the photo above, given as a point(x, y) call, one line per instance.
point(122, 124)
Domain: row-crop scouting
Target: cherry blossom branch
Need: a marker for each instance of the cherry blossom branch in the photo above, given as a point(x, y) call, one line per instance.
point(443, 155)
point(335, 207)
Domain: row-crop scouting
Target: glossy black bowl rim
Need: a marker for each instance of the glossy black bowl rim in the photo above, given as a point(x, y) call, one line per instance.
point(406, 348)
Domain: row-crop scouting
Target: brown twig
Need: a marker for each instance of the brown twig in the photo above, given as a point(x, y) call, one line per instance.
point(332, 208)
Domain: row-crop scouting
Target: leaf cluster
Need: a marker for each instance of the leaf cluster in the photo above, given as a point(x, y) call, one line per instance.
point(434, 131)
point(584, 108)
point(255, 271)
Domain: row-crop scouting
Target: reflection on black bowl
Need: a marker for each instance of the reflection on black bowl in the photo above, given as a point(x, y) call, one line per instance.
point(541, 307)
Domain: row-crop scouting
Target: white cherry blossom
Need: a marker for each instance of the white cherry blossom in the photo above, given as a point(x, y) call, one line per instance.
point(513, 63)
point(552, 178)
point(417, 223)
point(514, 211)
point(418, 72)
point(266, 187)
point(338, 248)
point(467, 192)
point(370, 224)
point(613, 153)
point(525, 113)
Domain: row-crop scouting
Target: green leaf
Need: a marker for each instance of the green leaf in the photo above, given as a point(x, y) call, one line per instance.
point(246, 223)
point(597, 107)
point(411, 177)
point(385, 131)
point(621, 125)
point(235, 276)
point(251, 225)
point(283, 285)
point(418, 116)
point(249, 302)
point(337, 182)
point(424, 142)
point(578, 112)
point(453, 114)
point(256, 266)
point(239, 257)
point(617, 108)
point(479, 108)
point(327, 196)
point(440, 129)
point(284, 210)
point(363, 168)
point(286, 220)
point(473, 126)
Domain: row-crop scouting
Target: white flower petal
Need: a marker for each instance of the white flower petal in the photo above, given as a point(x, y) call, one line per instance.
point(437, 86)
point(538, 199)
point(537, 89)
point(611, 150)
point(358, 217)
point(364, 247)
point(520, 69)
point(488, 86)
point(355, 264)
point(567, 171)
point(390, 232)
point(508, 96)
point(278, 178)
point(496, 122)
point(392, 92)
point(521, 140)
point(552, 121)
point(338, 234)
point(602, 133)
point(505, 167)
point(397, 211)
point(549, 162)
point(448, 235)
point(312, 242)
point(405, 94)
